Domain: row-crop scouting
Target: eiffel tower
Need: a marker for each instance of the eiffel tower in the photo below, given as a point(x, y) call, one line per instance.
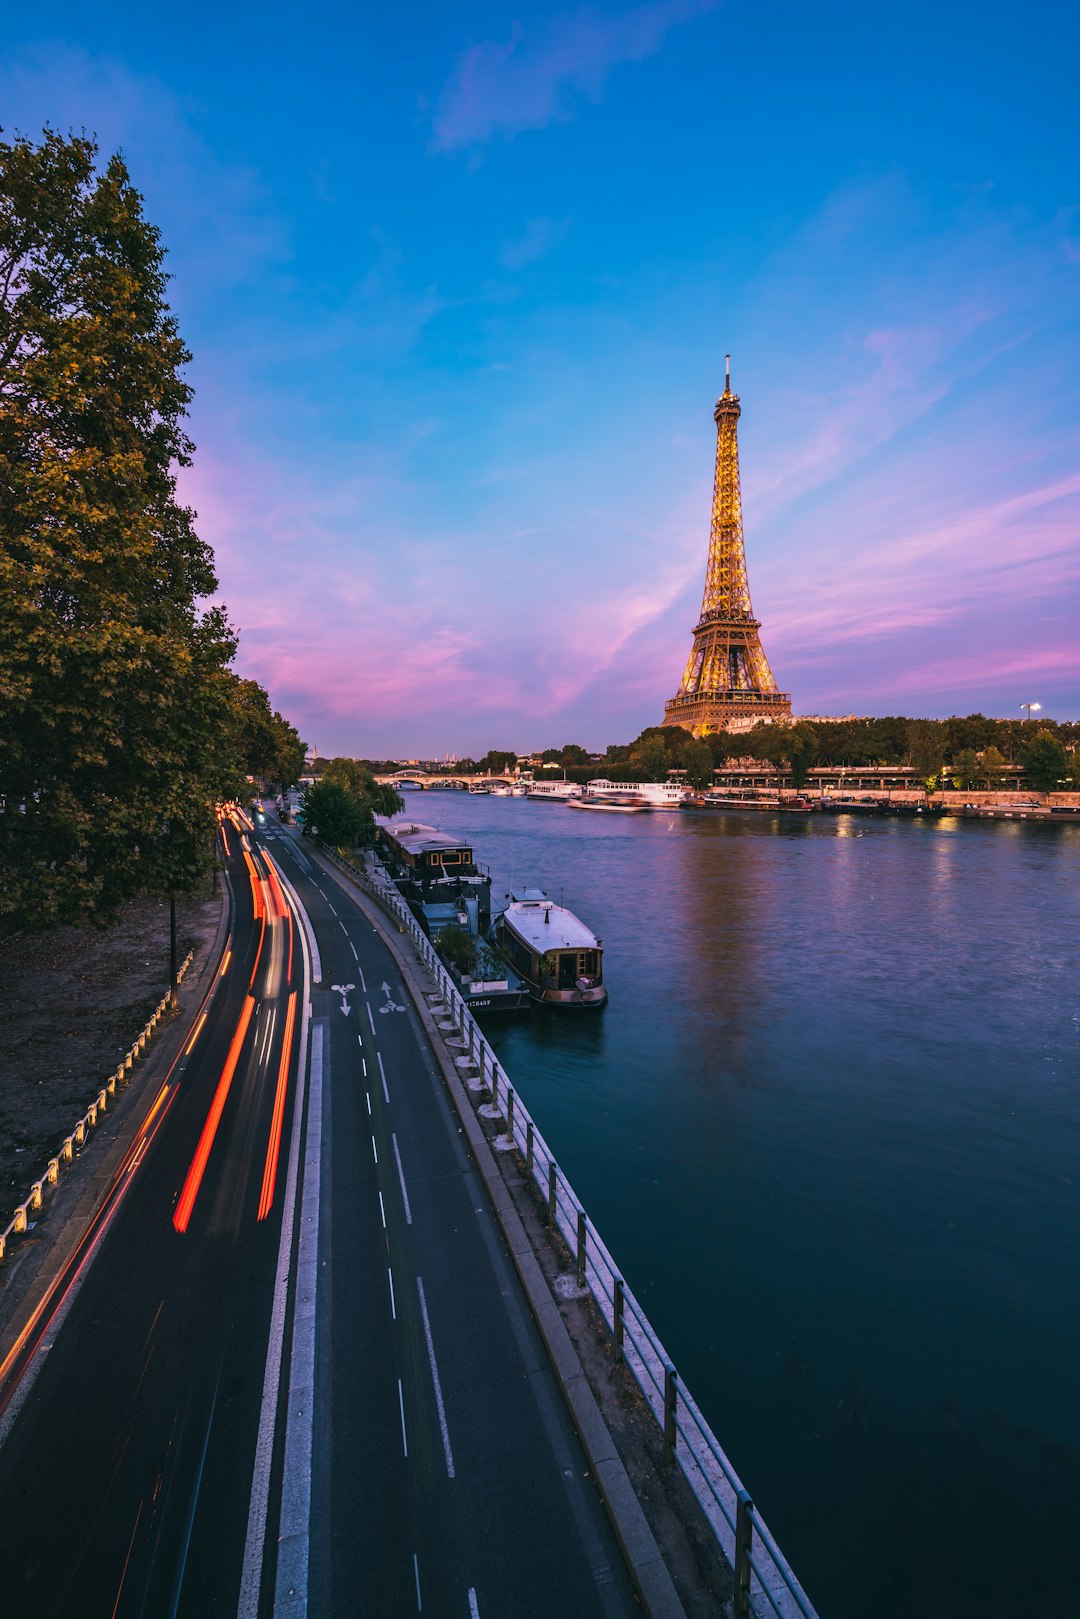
point(728, 675)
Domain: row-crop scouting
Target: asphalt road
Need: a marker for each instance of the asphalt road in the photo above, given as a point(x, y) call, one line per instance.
point(293, 1371)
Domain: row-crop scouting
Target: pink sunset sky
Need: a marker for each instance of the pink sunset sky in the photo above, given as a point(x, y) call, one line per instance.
point(459, 297)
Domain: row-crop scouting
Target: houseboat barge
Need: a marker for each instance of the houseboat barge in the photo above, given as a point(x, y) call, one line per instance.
point(557, 956)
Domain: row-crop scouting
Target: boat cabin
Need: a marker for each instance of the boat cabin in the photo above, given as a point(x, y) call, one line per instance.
point(557, 955)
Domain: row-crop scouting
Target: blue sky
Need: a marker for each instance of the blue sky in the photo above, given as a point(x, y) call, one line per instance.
point(459, 283)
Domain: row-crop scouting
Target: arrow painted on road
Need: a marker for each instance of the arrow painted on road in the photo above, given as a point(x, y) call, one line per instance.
point(391, 1004)
point(343, 990)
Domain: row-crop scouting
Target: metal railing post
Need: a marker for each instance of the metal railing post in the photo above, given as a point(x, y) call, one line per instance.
point(582, 1239)
point(510, 1112)
point(618, 1311)
point(495, 1084)
point(671, 1397)
point(529, 1144)
point(552, 1172)
point(744, 1540)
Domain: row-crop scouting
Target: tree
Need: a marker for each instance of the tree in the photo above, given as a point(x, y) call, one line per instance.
point(926, 749)
point(967, 770)
point(267, 746)
point(116, 725)
point(697, 761)
point(992, 764)
point(801, 747)
point(333, 812)
point(458, 948)
point(1046, 763)
point(497, 760)
point(350, 773)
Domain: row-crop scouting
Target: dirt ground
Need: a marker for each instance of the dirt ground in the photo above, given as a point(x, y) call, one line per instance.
point(71, 1003)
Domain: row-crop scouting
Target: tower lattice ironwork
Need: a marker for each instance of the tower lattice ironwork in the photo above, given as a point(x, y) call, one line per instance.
point(728, 675)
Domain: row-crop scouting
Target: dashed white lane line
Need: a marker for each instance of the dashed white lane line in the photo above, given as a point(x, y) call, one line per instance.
point(416, 1571)
point(375, 1149)
point(443, 1429)
point(370, 1019)
point(474, 1606)
point(382, 1076)
point(352, 947)
point(367, 1098)
point(343, 928)
point(401, 1176)
point(331, 906)
point(393, 1301)
point(363, 981)
point(382, 1211)
point(401, 1404)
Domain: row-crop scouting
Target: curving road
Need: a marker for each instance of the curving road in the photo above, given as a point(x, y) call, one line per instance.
point(291, 1369)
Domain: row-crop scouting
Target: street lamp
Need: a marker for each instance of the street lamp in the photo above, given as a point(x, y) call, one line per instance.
point(1031, 708)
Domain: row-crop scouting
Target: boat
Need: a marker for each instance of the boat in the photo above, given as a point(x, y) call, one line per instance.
point(450, 896)
point(557, 956)
point(660, 795)
point(554, 792)
point(480, 787)
point(622, 803)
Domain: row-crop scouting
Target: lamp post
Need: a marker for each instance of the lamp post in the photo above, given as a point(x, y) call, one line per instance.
point(1031, 708)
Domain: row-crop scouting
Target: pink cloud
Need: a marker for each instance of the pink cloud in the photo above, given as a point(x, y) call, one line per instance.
point(529, 82)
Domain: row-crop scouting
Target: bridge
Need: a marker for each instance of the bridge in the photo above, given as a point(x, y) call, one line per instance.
point(424, 780)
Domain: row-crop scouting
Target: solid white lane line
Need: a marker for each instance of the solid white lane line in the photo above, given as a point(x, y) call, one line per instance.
point(401, 1177)
point(393, 1301)
point(309, 932)
point(401, 1403)
point(382, 1076)
point(255, 1540)
point(444, 1430)
point(416, 1571)
point(474, 1606)
point(375, 1149)
point(370, 1019)
point(382, 1211)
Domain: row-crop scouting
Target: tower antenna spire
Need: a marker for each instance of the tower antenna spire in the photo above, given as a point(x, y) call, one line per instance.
point(727, 373)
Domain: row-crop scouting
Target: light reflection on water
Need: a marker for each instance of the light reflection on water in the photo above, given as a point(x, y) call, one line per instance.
point(829, 1125)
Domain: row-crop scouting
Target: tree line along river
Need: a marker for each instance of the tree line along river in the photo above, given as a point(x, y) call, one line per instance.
point(829, 1125)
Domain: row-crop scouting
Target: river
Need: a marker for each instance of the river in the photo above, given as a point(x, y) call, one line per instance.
point(829, 1126)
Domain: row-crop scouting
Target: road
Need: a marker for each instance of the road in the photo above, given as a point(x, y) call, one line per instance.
point(292, 1370)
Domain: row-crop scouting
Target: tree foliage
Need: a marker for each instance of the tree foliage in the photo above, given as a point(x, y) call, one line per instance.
point(118, 723)
point(350, 773)
point(333, 812)
point(1046, 764)
point(267, 746)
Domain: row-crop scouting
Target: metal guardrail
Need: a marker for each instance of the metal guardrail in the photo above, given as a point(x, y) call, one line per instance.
point(20, 1220)
point(765, 1584)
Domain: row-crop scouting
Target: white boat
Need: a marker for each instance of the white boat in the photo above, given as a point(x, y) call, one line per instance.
point(554, 792)
point(558, 957)
point(662, 795)
point(621, 803)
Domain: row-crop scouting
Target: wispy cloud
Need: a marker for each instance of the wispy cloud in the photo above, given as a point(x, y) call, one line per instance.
point(540, 237)
point(536, 78)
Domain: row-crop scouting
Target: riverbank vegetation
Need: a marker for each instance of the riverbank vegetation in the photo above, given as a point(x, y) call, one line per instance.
point(122, 723)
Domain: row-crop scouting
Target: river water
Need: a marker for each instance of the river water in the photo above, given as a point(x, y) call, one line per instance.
point(829, 1126)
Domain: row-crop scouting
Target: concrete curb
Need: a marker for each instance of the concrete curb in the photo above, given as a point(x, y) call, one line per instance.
point(650, 1574)
point(29, 1275)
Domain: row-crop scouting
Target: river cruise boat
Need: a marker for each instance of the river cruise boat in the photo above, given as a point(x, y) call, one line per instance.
point(559, 958)
point(554, 792)
point(617, 801)
point(661, 795)
point(447, 892)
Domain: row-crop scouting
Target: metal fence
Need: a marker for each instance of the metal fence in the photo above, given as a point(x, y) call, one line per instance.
point(765, 1585)
point(73, 1144)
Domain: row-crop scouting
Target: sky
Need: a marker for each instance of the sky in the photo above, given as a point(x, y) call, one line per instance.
point(459, 282)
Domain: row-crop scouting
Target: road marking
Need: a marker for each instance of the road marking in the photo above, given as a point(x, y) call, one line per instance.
point(367, 1098)
point(370, 1019)
point(474, 1606)
point(315, 960)
point(190, 1521)
point(195, 1035)
point(363, 1064)
point(393, 1301)
point(343, 991)
point(416, 1571)
point(447, 1452)
point(375, 1149)
point(391, 1004)
point(328, 902)
point(382, 1076)
point(248, 1605)
point(360, 970)
point(401, 1403)
point(401, 1176)
point(352, 947)
point(382, 1211)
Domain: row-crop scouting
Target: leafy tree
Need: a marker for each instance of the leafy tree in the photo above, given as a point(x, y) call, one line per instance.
point(1046, 763)
point(697, 760)
point(267, 746)
point(967, 769)
point(498, 761)
point(801, 748)
point(458, 948)
point(993, 763)
point(350, 773)
point(333, 812)
point(926, 749)
point(116, 726)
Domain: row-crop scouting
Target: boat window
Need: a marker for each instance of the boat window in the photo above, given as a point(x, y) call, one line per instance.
point(587, 964)
point(567, 969)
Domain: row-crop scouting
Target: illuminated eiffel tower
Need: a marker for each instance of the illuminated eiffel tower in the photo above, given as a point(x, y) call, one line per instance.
point(728, 675)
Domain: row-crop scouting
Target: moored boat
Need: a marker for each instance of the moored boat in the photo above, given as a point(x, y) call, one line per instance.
point(663, 795)
point(557, 956)
point(553, 792)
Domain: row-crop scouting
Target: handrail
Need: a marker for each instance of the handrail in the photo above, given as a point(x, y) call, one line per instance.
point(95, 1112)
point(765, 1584)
